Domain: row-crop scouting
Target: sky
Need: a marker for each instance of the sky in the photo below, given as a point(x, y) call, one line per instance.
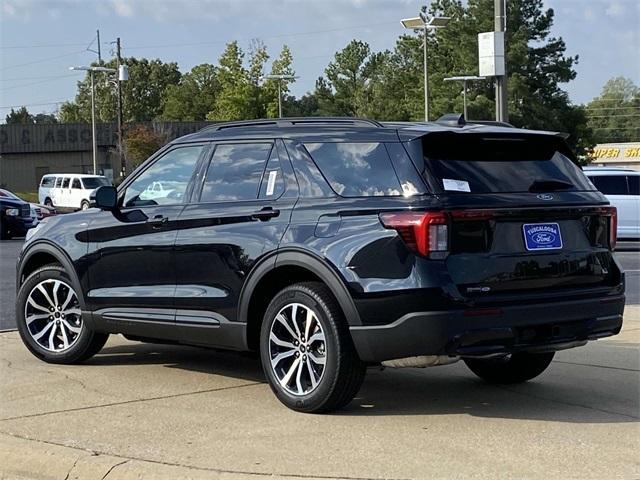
point(41, 39)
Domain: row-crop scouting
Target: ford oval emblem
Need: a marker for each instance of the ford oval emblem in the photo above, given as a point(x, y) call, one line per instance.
point(545, 196)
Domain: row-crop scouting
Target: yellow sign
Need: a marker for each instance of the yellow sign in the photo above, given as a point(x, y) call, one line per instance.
point(631, 152)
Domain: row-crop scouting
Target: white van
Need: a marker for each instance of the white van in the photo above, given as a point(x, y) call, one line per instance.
point(69, 190)
point(621, 186)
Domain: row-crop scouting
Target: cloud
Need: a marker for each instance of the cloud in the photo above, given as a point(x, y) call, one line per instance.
point(615, 9)
point(123, 8)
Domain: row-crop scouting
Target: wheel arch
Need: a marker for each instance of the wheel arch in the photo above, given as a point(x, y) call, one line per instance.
point(279, 270)
point(44, 253)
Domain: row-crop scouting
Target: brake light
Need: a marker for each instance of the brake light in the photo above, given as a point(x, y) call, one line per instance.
point(613, 226)
point(423, 232)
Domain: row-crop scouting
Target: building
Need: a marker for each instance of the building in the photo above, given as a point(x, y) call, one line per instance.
point(27, 152)
point(617, 155)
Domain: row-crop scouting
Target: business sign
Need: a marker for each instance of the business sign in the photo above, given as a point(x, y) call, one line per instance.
point(491, 54)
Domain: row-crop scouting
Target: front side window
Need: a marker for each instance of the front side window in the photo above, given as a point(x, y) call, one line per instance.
point(611, 184)
point(356, 169)
point(48, 181)
point(165, 182)
point(65, 182)
point(235, 172)
point(76, 184)
point(634, 184)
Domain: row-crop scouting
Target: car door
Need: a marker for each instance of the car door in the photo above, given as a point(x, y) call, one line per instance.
point(238, 215)
point(65, 193)
point(75, 195)
point(616, 189)
point(633, 181)
point(131, 265)
point(56, 191)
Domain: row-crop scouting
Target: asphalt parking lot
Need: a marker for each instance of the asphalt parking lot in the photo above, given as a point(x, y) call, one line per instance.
point(153, 411)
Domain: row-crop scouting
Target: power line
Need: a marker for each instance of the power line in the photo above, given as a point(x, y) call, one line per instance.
point(32, 78)
point(48, 102)
point(58, 45)
point(42, 60)
point(35, 83)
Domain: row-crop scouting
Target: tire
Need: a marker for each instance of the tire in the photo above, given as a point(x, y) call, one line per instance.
point(84, 205)
point(331, 358)
point(65, 338)
point(513, 368)
point(48, 202)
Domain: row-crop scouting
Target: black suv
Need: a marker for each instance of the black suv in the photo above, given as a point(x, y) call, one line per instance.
point(331, 244)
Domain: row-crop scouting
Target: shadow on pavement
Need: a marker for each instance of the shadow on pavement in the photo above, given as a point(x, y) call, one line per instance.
point(445, 390)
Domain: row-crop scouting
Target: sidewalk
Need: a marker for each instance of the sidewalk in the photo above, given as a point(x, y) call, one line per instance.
point(170, 412)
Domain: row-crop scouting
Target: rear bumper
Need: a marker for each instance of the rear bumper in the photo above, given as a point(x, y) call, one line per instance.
point(477, 332)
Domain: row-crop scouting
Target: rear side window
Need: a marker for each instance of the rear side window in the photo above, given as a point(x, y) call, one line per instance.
point(634, 184)
point(272, 185)
point(58, 182)
point(356, 169)
point(65, 182)
point(611, 184)
point(235, 172)
point(468, 163)
point(76, 184)
point(48, 181)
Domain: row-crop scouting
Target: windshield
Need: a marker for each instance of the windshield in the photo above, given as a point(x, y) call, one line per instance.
point(478, 164)
point(94, 182)
point(7, 193)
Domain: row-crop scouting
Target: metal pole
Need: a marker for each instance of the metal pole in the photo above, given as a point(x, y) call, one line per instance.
point(123, 161)
point(280, 98)
point(426, 76)
point(502, 113)
point(464, 98)
point(94, 143)
point(99, 55)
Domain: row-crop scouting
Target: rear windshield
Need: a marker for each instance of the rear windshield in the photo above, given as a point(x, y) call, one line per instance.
point(94, 182)
point(466, 163)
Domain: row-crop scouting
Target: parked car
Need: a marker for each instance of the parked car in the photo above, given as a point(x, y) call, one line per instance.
point(329, 245)
point(38, 212)
point(69, 190)
point(621, 186)
point(16, 217)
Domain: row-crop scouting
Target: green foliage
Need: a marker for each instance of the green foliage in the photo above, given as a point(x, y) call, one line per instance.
point(614, 115)
point(140, 142)
point(20, 116)
point(194, 96)
point(142, 94)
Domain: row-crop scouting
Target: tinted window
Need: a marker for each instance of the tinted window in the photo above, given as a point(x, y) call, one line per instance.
point(65, 182)
point(166, 181)
point(92, 183)
point(272, 185)
point(76, 183)
point(58, 182)
point(235, 172)
point(48, 181)
point(478, 164)
point(356, 169)
point(611, 184)
point(634, 184)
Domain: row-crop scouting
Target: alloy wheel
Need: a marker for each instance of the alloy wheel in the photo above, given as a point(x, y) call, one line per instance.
point(52, 315)
point(297, 349)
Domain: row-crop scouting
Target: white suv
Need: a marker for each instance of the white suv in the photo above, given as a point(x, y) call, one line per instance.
point(68, 190)
point(622, 187)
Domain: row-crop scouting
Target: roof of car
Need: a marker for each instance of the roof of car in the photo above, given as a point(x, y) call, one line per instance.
point(597, 169)
point(81, 175)
point(342, 128)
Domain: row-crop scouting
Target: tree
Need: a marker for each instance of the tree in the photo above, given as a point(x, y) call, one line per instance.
point(233, 98)
point(283, 65)
point(142, 93)
point(140, 142)
point(45, 118)
point(194, 96)
point(614, 114)
point(20, 116)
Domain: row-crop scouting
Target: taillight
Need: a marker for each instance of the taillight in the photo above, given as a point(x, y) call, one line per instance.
point(423, 232)
point(613, 226)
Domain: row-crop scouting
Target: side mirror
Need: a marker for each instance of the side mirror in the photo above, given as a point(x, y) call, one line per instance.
point(104, 198)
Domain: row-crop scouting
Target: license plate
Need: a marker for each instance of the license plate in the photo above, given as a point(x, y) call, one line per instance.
point(542, 236)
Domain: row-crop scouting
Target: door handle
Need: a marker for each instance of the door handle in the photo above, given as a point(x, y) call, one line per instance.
point(265, 214)
point(158, 221)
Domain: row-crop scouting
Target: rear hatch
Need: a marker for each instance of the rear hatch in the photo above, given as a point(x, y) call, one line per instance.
point(524, 220)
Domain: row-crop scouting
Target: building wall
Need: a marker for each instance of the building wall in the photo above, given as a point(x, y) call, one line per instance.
point(617, 155)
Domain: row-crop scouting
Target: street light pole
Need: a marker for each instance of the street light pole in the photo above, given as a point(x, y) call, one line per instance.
point(279, 78)
point(94, 142)
point(279, 98)
point(464, 79)
point(425, 23)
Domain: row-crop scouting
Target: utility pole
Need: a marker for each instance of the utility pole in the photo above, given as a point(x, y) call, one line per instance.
point(425, 72)
point(502, 113)
point(94, 141)
point(99, 54)
point(123, 161)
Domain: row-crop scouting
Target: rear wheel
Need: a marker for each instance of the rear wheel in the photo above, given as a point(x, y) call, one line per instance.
point(50, 321)
point(307, 353)
point(84, 205)
point(48, 202)
point(512, 368)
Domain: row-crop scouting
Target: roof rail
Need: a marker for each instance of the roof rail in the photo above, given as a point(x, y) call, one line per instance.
point(295, 121)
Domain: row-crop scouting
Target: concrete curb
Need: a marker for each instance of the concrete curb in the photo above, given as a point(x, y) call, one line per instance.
point(32, 459)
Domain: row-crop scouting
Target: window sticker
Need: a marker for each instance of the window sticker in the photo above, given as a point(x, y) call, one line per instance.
point(271, 182)
point(456, 185)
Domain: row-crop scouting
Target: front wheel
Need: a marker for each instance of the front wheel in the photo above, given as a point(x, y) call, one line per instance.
point(512, 368)
point(84, 205)
point(48, 202)
point(49, 318)
point(307, 353)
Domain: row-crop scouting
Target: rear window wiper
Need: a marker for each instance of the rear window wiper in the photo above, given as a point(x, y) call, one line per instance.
point(549, 186)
